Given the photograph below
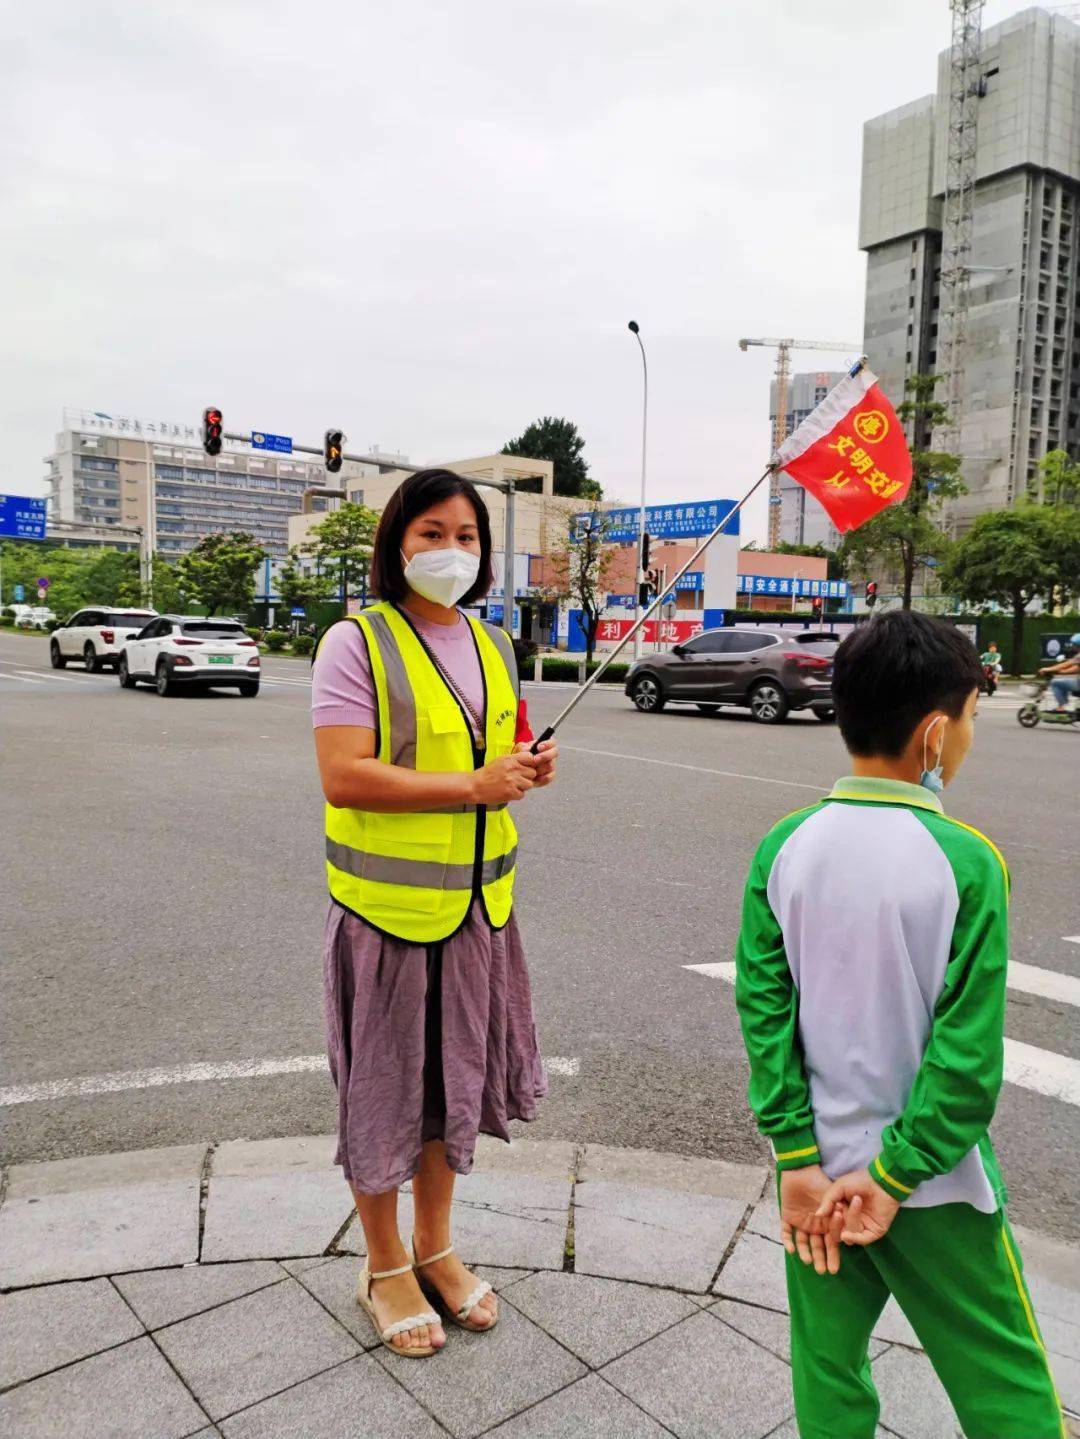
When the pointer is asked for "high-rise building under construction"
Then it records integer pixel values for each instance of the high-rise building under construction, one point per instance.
(1021, 370)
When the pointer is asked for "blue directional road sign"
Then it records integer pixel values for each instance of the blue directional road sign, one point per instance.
(22, 517)
(298, 612)
(280, 444)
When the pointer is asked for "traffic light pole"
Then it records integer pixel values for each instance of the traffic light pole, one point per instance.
(640, 622)
(506, 486)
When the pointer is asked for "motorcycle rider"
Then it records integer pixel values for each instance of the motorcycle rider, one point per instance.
(1067, 672)
(991, 663)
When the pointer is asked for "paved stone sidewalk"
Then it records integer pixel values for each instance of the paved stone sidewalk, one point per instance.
(204, 1290)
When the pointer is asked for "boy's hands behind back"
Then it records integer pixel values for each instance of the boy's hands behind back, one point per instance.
(805, 1231)
(869, 1210)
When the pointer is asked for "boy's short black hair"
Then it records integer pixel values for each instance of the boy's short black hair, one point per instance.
(892, 671)
(411, 498)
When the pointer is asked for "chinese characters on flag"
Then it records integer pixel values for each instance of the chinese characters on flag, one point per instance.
(850, 453)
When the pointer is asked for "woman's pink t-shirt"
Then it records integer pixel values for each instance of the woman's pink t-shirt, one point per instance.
(343, 692)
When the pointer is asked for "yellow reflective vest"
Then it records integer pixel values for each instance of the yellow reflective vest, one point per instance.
(416, 875)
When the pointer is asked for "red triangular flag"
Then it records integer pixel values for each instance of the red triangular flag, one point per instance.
(851, 453)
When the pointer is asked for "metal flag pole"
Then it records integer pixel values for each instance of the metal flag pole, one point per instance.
(587, 686)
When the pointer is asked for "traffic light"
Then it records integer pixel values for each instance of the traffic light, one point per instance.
(871, 594)
(333, 446)
(646, 541)
(815, 604)
(211, 431)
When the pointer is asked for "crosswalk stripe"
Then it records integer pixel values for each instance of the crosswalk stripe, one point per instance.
(192, 1073)
(1047, 983)
(1071, 938)
(1055, 1075)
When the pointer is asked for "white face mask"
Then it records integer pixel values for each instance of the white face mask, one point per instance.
(442, 576)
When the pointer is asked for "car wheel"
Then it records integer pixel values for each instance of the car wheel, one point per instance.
(127, 679)
(1028, 715)
(826, 716)
(162, 679)
(250, 689)
(58, 660)
(647, 694)
(90, 659)
(709, 709)
(768, 702)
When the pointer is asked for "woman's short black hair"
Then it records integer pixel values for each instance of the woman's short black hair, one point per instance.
(892, 671)
(411, 498)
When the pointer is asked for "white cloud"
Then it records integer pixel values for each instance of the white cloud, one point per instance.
(430, 223)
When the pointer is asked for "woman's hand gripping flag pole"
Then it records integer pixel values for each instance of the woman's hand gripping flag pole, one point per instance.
(850, 453)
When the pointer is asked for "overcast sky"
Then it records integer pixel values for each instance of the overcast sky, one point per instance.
(430, 222)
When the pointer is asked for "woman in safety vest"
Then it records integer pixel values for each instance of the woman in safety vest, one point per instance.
(430, 1028)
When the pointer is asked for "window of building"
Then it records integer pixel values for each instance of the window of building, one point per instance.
(95, 462)
(169, 472)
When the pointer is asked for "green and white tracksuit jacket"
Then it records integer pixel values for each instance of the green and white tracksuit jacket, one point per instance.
(871, 991)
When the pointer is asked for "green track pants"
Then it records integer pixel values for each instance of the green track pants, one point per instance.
(956, 1274)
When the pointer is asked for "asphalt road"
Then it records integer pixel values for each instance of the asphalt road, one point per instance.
(164, 904)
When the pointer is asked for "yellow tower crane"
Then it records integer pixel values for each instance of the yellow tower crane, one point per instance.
(783, 350)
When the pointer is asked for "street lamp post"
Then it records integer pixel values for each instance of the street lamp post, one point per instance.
(635, 331)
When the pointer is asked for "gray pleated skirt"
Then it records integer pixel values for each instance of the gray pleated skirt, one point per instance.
(426, 1042)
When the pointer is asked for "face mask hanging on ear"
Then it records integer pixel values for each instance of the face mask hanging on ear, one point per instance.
(931, 778)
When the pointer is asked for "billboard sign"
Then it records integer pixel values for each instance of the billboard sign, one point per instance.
(693, 519)
(782, 585)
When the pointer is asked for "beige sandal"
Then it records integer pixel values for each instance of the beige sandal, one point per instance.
(461, 1316)
(414, 1321)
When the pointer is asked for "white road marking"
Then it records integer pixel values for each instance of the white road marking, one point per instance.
(1055, 1075)
(1048, 983)
(21, 678)
(1027, 978)
(696, 768)
(193, 1073)
(725, 969)
(1071, 938)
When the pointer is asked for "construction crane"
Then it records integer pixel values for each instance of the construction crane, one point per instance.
(966, 86)
(783, 350)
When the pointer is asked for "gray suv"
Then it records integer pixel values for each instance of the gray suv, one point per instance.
(769, 672)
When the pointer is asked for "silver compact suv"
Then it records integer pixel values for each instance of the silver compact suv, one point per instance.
(767, 671)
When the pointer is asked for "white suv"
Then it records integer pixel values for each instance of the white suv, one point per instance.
(96, 636)
(191, 649)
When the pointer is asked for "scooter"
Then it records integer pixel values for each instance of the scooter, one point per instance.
(1034, 711)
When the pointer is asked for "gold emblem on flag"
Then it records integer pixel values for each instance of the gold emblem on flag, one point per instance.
(871, 426)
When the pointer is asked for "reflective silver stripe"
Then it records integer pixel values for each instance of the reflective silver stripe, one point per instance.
(505, 645)
(494, 869)
(416, 873)
(388, 869)
(400, 695)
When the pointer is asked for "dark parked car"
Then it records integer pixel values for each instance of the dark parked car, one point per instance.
(769, 672)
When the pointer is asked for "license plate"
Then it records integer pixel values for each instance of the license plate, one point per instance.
(220, 659)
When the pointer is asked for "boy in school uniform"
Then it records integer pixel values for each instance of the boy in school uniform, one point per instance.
(871, 991)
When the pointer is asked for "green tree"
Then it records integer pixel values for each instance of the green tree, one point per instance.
(904, 533)
(220, 571)
(166, 592)
(296, 586)
(578, 571)
(341, 543)
(1008, 557)
(559, 442)
(112, 578)
(1058, 481)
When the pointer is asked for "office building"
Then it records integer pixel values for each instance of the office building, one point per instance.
(153, 476)
(802, 520)
(1021, 390)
